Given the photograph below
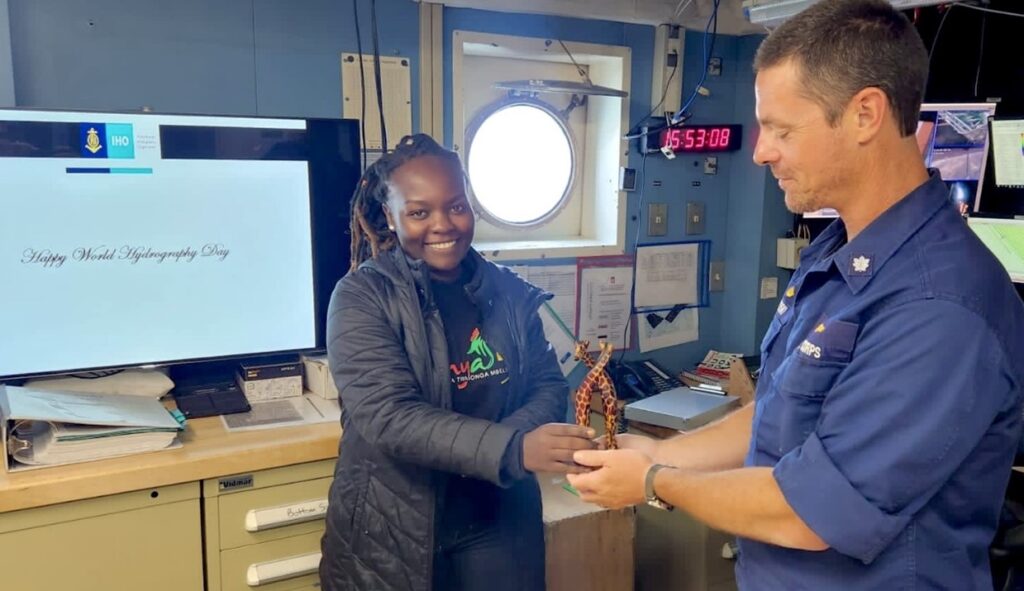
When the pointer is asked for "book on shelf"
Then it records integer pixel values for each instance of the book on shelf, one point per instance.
(715, 365)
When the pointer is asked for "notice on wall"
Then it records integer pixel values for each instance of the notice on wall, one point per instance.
(605, 286)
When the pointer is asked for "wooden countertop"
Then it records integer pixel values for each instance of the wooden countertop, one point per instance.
(208, 451)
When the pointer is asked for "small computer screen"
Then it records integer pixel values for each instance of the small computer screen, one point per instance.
(1005, 238)
(953, 138)
(1008, 152)
(1002, 193)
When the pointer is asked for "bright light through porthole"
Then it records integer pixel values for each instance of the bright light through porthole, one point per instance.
(520, 164)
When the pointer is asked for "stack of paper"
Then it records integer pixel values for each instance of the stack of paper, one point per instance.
(48, 428)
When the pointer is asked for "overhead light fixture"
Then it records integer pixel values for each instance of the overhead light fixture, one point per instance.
(577, 89)
(532, 87)
(772, 13)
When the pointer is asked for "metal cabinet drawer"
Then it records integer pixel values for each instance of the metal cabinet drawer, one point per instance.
(111, 543)
(265, 514)
(279, 565)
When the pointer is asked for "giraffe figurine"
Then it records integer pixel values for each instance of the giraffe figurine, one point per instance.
(609, 401)
(597, 378)
(586, 388)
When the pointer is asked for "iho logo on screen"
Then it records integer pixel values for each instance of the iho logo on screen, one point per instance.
(106, 140)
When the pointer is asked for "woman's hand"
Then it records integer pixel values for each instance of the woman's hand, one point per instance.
(549, 448)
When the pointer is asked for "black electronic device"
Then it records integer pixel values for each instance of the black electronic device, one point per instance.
(642, 378)
(207, 389)
(219, 398)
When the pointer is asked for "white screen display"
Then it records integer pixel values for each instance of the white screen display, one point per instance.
(1008, 150)
(154, 261)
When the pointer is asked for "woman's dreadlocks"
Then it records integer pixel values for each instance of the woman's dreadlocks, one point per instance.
(370, 233)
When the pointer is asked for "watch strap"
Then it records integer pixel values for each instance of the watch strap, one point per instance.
(649, 494)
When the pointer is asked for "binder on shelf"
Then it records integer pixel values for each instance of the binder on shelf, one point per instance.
(44, 428)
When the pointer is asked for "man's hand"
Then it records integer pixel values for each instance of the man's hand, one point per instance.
(549, 448)
(617, 480)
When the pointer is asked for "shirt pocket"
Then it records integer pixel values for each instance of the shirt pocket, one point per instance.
(942, 569)
(802, 390)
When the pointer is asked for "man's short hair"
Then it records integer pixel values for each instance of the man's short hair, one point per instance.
(841, 47)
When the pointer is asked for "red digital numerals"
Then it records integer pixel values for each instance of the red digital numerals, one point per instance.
(683, 139)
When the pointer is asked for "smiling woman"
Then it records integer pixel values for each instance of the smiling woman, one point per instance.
(428, 210)
(451, 394)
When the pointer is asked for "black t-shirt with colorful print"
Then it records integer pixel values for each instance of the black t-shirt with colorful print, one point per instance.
(479, 386)
(479, 373)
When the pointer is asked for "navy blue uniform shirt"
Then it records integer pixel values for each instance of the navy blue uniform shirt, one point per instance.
(889, 404)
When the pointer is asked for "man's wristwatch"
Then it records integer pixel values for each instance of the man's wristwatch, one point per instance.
(652, 498)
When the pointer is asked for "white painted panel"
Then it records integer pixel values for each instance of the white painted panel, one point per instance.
(396, 87)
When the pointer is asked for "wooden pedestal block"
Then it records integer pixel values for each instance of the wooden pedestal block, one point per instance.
(587, 547)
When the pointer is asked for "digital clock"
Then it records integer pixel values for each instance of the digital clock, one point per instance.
(701, 138)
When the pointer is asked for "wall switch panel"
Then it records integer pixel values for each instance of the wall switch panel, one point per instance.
(657, 219)
(694, 217)
(716, 279)
(715, 66)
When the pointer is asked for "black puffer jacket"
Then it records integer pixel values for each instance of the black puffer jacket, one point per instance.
(388, 352)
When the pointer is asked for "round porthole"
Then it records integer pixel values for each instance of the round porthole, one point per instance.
(521, 162)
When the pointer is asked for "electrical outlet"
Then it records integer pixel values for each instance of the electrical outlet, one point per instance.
(716, 276)
(694, 217)
(657, 219)
(711, 165)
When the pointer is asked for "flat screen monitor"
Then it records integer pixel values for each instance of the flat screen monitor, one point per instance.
(1005, 238)
(1003, 193)
(1008, 153)
(131, 239)
(953, 138)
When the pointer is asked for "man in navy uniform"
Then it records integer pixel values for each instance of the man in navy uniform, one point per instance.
(879, 445)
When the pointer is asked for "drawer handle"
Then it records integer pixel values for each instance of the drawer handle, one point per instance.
(271, 517)
(263, 573)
